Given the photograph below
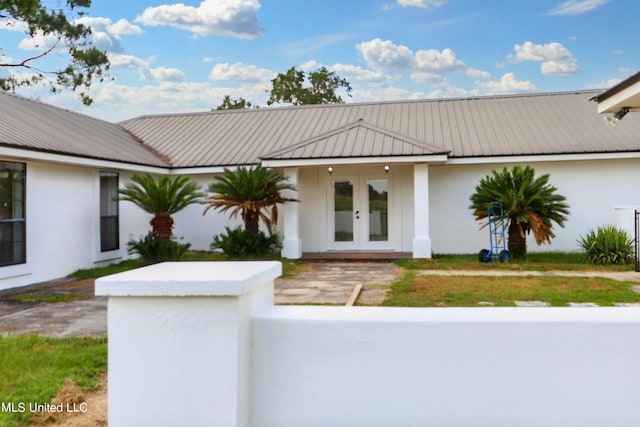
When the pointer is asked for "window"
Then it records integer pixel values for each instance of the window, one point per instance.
(109, 216)
(12, 213)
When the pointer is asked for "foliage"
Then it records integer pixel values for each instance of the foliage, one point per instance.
(239, 243)
(289, 87)
(33, 369)
(153, 250)
(253, 193)
(162, 198)
(86, 63)
(530, 204)
(608, 245)
(233, 104)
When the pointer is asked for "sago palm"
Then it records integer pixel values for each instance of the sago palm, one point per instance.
(161, 198)
(529, 204)
(251, 192)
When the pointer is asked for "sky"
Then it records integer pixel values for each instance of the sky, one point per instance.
(184, 57)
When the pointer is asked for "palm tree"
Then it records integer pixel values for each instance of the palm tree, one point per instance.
(253, 193)
(161, 198)
(529, 204)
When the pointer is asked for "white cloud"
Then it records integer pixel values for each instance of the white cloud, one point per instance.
(555, 58)
(422, 3)
(477, 74)
(145, 71)
(507, 84)
(240, 72)
(436, 61)
(385, 55)
(232, 18)
(427, 78)
(604, 84)
(40, 41)
(352, 73)
(105, 35)
(124, 27)
(577, 7)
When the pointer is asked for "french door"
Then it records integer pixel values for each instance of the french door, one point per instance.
(359, 213)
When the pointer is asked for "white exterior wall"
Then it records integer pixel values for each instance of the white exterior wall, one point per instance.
(63, 224)
(594, 190)
(190, 226)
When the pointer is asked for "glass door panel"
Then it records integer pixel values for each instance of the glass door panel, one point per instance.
(343, 211)
(378, 200)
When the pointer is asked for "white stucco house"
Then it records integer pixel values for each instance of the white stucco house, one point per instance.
(393, 177)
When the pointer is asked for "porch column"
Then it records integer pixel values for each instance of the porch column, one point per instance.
(292, 245)
(421, 239)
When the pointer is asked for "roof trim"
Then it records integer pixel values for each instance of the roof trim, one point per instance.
(285, 163)
(428, 149)
(67, 159)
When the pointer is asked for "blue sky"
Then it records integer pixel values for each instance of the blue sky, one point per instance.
(181, 57)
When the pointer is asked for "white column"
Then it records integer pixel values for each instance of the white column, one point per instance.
(421, 237)
(292, 245)
(179, 345)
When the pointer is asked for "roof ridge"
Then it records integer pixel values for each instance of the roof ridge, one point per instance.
(364, 103)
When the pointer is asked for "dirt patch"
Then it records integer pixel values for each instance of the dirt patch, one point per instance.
(80, 409)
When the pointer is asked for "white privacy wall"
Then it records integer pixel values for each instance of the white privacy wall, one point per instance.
(373, 366)
(595, 190)
(201, 344)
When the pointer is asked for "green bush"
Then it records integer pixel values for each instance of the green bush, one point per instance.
(153, 251)
(238, 243)
(607, 245)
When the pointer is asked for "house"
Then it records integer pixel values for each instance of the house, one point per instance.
(621, 98)
(388, 176)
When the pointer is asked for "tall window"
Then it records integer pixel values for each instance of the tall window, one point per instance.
(12, 213)
(109, 216)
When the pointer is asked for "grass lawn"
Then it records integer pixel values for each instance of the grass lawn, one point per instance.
(288, 265)
(536, 261)
(33, 369)
(466, 291)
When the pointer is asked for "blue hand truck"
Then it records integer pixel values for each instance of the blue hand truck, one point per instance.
(498, 249)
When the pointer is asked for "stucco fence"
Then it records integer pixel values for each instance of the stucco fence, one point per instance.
(201, 344)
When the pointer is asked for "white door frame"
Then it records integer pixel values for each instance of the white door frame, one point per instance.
(360, 217)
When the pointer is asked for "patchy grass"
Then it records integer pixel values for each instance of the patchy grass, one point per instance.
(33, 369)
(536, 261)
(466, 291)
(66, 297)
(288, 265)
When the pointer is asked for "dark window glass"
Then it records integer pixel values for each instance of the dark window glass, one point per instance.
(12, 213)
(109, 216)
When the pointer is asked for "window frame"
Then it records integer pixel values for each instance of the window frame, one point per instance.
(17, 248)
(109, 212)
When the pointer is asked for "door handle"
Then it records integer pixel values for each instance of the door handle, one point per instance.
(357, 214)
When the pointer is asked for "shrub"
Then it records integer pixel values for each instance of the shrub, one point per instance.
(607, 245)
(153, 251)
(238, 242)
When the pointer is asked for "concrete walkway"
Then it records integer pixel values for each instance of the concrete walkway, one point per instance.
(315, 283)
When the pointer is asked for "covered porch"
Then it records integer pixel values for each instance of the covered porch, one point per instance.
(364, 194)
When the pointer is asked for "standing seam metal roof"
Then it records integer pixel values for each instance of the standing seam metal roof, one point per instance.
(33, 125)
(508, 125)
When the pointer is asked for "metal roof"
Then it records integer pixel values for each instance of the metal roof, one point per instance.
(32, 125)
(358, 139)
(509, 125)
